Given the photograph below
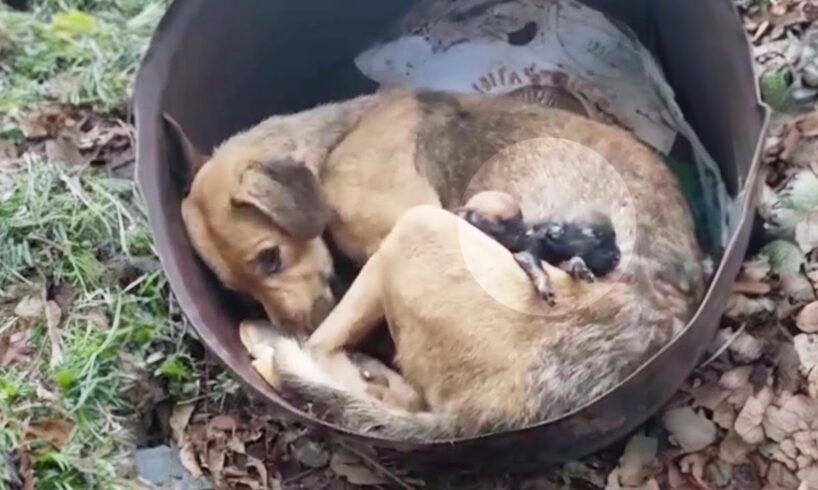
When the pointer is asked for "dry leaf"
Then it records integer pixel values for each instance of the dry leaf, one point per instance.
(795, 414)
(53, 315)
(693, 465)
(807, 319)
(261, 470)
(310, 453)
(779, 477)
(98, 318)
(224, 423)
(709, 395)
(746, 348)
(236, 445)
(350, 467)
(179, 420)
(788, 448)
(14, 348)
(25, 470)
(748, 422)
(188, 457)
(637, 459)
(776, 453)
(692, 431)
(750, 287)
(789, 368)
(809, 478)
(215, 461)
(756, 269)
(724, 415)
(733, 449)
(737, 382)
(612, 483)
(29, 308)
(807, 443)
(63, 150)
(32, 124)
(676, 479)
(718, 473)
(797, 287)
(806, 345)
(740, 306)
(806, 232)
(56, 432)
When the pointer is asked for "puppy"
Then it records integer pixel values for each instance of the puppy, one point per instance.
(587, 249)
(378, 174)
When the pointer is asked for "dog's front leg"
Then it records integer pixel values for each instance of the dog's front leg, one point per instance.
(356, 315)
(536, 272)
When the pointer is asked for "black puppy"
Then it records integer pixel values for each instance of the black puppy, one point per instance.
(589, 248)
(586, 249)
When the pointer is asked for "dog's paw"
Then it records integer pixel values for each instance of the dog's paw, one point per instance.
(256, 335)
(264, 364)
(544, 289)
(579, 270)
(538, 276)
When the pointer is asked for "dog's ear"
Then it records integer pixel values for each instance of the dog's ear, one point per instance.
(287, 193)
(192, 155)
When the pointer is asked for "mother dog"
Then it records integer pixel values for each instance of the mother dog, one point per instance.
(377, 173)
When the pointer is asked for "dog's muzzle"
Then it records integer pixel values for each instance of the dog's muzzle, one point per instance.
(320, 309)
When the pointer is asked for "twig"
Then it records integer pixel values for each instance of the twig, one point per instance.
(377, 466)
(724, 347)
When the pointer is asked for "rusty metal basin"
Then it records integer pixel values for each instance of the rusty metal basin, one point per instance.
(219, 67)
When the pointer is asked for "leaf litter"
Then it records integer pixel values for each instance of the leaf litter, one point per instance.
(747, 420)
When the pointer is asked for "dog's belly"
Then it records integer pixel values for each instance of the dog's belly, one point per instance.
(460, 312)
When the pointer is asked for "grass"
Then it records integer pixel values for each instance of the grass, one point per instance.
(67, 228)
(81, 234)
(72, 51)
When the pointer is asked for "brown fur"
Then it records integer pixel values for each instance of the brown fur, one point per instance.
(470, 332)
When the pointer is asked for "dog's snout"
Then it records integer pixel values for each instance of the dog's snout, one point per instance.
(320, 309)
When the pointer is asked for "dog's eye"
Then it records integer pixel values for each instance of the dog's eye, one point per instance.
(269, 261)
(589, 232)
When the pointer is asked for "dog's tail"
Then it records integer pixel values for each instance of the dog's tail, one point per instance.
(300, 374)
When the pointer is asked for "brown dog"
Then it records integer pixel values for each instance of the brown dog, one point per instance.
(471, 333)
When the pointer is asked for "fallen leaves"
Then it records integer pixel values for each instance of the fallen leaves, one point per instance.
(228, 449)
(310, 453)
(179, 418)
(780, 31)
(29, 308)
(807, 319)
(638, 461)
(56, 432)
(689, 429)
(15, 348)
(749, 419)
(350, 468)
(75, 136)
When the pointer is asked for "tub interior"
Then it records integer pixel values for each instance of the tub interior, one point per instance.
(219, 67)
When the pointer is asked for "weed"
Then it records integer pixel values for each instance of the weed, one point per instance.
(61, 227)
(72, 51)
